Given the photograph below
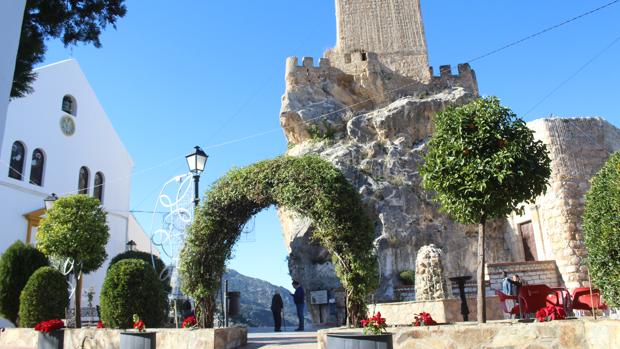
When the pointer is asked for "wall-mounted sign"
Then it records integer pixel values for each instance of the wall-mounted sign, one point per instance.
(318, 297)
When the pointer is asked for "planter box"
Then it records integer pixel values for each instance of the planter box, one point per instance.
(53, 340)
(358, 341)
(138, 340)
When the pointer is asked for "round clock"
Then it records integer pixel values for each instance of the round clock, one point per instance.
(67, 125)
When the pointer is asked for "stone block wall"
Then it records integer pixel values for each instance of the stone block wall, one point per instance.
(442, 311)
(578, 149)
(533, 273)
(569, 334)
(90, 338)
(391, 28)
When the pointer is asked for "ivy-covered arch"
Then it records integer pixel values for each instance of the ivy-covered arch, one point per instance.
(308, 185)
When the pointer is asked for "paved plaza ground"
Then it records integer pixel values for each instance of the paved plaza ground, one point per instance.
(264, 339)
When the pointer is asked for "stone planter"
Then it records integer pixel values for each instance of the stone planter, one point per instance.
(52, 340)
(358, 341)
(138, 340)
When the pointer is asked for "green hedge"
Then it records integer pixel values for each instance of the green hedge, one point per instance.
(407, 277)
(132, 287)
(45, 297)
(148, 258)
(601, 225)
(17, 264)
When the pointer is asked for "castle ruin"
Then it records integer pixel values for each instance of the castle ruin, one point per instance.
(367, 106)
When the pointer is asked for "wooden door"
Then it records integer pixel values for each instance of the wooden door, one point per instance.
(529, 244)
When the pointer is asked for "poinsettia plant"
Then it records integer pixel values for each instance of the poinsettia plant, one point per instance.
(189, 322)
(424, 319)
(550, 313)
(138, 324)
(374, 325)
(49, 326)
(100, 324)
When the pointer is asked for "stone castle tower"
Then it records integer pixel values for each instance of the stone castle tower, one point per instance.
(393, 29)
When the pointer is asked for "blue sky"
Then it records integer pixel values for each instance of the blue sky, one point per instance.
(175, 75)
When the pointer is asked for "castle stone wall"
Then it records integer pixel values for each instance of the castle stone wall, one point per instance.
(391, 28)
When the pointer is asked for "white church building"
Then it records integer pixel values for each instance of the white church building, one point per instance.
(59, 140)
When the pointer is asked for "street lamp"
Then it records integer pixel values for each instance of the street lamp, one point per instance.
(196, 162)
(49, 201)
(131, 245)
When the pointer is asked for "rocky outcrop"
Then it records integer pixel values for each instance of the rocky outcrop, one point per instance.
(379, 145)
(429, 275)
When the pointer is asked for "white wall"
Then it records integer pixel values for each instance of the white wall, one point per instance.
(11, 15)
(35, 121)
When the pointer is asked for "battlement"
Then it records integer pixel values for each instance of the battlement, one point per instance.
(465, 78)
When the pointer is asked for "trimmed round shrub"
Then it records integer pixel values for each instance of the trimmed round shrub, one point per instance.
(407, 277)
(45, 297)
(132, 287)
(148, 258)
(17, 264)
(601, 225)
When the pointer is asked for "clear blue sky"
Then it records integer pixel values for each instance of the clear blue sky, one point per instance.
(177, 74)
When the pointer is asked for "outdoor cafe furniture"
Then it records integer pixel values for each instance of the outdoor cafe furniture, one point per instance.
(584, 300)
(514, 307)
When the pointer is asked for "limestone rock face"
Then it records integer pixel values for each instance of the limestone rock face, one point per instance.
(378, 140)
(430, 283)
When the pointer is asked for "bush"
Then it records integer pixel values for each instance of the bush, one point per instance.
(601, 225)
(148, 258)
(132, 287)
(17, 264)
(45, 297)
(407, 277)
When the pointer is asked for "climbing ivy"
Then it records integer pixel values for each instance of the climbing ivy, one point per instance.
(312, 187)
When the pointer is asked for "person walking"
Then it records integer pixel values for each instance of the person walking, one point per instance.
(276, 309)
(299, 298)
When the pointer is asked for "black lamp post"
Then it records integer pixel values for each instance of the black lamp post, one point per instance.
(196, 162)
(49, 201)
(131, 245)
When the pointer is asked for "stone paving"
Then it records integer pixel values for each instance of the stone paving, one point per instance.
(260, 338)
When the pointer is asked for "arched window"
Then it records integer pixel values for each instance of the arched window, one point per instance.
(83, 180)
(69, 105)
(99, 185)
(36, 169)
(18, 155)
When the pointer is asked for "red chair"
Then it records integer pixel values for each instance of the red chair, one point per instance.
(534, 297)
(561, 297)
(514, 310)
(582, 300)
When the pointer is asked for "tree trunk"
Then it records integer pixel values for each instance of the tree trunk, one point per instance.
(356, 310)
(205, 311)
(481, 299)
(78, 299)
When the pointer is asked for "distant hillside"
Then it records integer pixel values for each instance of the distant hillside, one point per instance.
(256, 297)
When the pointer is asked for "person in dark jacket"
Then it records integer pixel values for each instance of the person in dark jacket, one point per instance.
(276, 309)
(299, 298)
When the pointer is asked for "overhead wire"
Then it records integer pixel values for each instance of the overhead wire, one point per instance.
(348, 107)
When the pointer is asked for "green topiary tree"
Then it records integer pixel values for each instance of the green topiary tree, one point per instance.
(407, 277)
(148, 258)
(308, 185)
(76, 228)
(132, 287)
(17, 264)
(601, 225)
(45, 297)
(483, 162)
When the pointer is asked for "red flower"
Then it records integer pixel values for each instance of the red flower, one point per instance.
(100, 324)
(189, 321)
(139, 325)
(550, 313)
(374, 325)
(49, 326)
(424, 319)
